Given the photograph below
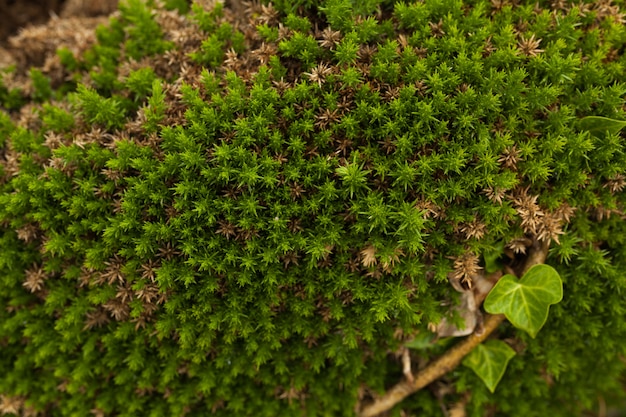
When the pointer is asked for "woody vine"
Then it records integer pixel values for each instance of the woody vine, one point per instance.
(490, 360)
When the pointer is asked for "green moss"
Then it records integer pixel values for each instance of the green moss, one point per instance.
(249, 217)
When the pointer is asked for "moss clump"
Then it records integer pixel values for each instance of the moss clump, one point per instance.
(249, 213)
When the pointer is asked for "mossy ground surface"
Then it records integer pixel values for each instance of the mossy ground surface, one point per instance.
(205, 212)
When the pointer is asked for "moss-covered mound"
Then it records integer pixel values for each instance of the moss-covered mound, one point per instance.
(248, 210)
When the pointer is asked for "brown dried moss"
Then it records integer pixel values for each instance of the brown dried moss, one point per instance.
(31, 30)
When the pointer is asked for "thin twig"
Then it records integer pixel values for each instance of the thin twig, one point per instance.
(452, 357)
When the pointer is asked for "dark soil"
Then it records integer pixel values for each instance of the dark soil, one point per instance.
(16, 14)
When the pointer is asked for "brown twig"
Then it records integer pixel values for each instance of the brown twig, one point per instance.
(454, 356)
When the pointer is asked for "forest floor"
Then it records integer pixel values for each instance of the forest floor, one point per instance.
(17, 17)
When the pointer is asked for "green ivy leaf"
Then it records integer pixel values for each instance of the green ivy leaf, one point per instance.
(423, 340)
(597, 125)
(492, 258)
(526, 302)
(489, 361)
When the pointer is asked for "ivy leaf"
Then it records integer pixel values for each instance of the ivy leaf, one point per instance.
(597, 125)
(489, 361)
(526, 302)
(423, 340)
(492, 258)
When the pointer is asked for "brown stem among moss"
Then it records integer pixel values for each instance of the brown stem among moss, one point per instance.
(453, 357)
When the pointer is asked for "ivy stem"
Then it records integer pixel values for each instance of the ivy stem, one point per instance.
(451, 359)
